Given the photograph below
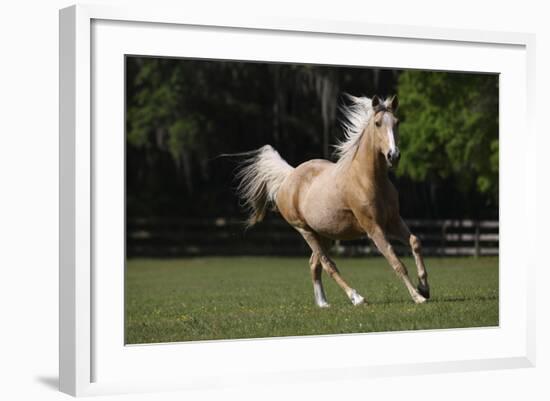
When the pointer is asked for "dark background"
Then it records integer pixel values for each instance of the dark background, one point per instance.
(182, 114)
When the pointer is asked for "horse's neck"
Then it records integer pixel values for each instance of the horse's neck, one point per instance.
(368, 163)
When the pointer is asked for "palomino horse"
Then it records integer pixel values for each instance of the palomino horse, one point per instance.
(326, 201)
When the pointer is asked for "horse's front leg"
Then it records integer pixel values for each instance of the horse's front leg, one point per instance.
(384, 246)
(404, 235)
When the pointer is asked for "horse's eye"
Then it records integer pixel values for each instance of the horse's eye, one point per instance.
(378, 123)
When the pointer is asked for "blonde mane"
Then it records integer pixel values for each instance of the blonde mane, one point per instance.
(356, 117)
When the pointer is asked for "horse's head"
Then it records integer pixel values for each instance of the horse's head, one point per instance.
(385, 128)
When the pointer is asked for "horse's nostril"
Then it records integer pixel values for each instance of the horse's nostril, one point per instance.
(389, 155)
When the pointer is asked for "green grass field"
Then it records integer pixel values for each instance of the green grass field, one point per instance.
(249, 297)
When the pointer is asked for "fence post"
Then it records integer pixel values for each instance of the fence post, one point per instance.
(337, 248)
(476, 240)
(443, 235)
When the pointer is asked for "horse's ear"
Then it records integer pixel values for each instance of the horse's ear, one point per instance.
(394, 103)
(375, 101)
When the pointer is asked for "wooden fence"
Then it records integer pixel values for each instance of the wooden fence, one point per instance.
(172, 237)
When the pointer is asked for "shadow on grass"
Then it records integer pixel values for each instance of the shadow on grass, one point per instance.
(436, 300)
(458, 299)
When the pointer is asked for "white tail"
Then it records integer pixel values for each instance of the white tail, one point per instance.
(260, 177)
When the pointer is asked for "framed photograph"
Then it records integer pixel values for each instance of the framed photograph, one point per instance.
(276, 200)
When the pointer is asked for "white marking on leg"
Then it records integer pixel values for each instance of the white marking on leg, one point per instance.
(320, 298)
(355, 298)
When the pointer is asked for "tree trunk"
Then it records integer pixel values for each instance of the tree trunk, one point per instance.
(327, 90)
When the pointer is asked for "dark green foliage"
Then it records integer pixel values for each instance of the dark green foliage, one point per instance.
(450, 129)
(217, 298)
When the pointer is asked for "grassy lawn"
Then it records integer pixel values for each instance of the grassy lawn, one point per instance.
(245, 297)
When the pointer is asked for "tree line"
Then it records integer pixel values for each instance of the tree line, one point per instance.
(182, 114)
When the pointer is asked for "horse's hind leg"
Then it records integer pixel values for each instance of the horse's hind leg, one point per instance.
(404, 235)
(319, 248)
(318, 290)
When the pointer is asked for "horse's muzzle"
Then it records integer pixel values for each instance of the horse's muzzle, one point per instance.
(393, 157)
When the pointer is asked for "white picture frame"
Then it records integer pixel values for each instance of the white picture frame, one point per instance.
(91, 361)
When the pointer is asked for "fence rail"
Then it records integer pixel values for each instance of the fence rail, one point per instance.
(171, 237)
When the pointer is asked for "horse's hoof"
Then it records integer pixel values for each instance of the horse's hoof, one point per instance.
(424, 291)
(323, 305)
(356, 299)
(419, 299)
(358, 302)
